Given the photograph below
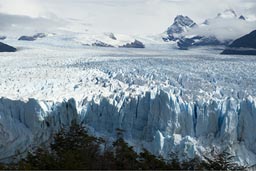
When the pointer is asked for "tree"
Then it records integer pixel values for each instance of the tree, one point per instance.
(222, 161)
(71, 149)
(125, 157)
(40, 159)
(148, 161)
(75, 149)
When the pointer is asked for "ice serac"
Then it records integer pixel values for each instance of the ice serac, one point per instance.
(24, 125)
(158, 120)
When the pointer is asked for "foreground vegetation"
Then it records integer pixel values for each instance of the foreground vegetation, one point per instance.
(74, 149)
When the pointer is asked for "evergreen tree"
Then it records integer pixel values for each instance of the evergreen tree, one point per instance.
(40, 159)
(125, 157)
(174, 162)
(222, 161)
(150, 162)
(74, 149)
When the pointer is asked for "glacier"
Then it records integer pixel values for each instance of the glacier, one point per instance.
(157, 120)
(166, 101)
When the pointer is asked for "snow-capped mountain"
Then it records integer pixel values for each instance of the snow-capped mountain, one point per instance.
(220, 30)
(25, 28)
(181, 24)
(107, 40)
(227, 14)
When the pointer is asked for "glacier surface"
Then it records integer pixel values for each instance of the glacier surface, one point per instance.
(166, 101)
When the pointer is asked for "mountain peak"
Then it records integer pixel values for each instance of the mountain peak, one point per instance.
(242, 17)
(183, 20)
(181, 24)
(228, 13)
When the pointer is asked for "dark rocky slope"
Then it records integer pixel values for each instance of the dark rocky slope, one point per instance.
(245, 45)
(6, 48)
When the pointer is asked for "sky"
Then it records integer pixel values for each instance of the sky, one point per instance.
(126, 16)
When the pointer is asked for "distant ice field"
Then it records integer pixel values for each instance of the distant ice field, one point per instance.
(42, 71)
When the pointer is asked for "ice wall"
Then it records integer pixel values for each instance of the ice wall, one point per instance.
(157, 120)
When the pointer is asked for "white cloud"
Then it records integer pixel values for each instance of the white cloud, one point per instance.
(127, 16)
(31, 8)
(224, 29)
